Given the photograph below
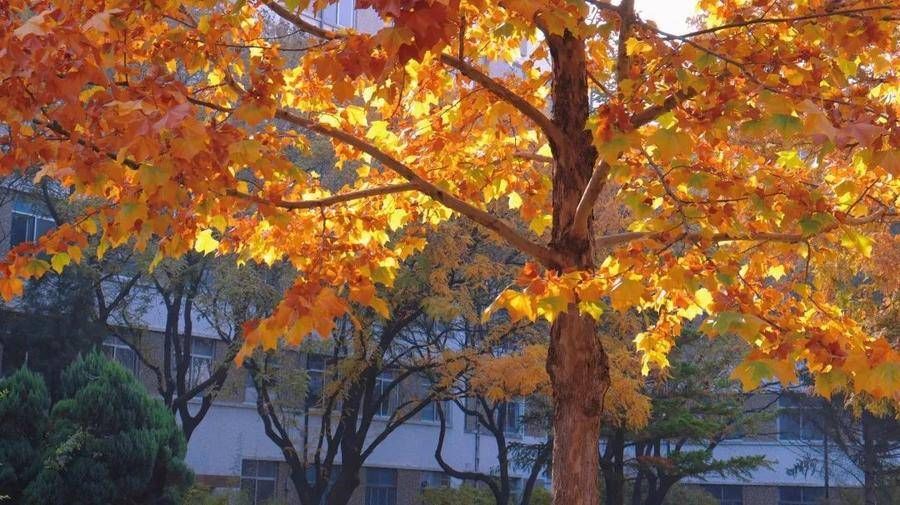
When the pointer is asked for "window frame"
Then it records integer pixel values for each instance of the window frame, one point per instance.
(34, 217)
(195, 359)
(319, 373)
(117, 345)
(720, 493)
(381, 493)
(256, 478)
(816, 499)
(382, 381)
(517, 428)
(806, 430)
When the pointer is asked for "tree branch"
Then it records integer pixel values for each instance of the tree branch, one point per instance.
(535, 250)
(327, 201)
(507, 95)
(763, 20)
(589, 197)
(299, 22)
(621, 238)
(626, 14)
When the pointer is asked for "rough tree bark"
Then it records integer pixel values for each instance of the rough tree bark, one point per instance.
(577, 364)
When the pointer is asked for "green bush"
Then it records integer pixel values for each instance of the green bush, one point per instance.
(108, 442)
(463, 495)
(24, 404)
(689, 495)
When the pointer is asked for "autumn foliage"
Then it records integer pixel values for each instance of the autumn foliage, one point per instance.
(741, 157)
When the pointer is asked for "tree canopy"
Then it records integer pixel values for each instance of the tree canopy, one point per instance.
(739, 156)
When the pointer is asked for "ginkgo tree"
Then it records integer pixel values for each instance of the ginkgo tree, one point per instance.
(742, 153)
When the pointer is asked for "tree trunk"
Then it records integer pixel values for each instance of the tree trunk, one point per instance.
(577, 364)
(870, 461)
(614, 471)
(579, 373)
(344, 486)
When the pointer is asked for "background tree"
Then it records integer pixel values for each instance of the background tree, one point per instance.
(720, 225)
(64, 313)
(381, 369)
(24, 406)
(108, 442)
(694, 408)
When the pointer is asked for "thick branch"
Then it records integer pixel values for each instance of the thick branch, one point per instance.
(300, 23)
(626, 13)
(589, 197)
(507, 95)
(537, 251)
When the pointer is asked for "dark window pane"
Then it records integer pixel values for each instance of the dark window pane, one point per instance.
(790, 493)
(267, 469)
(21, 229)
(733, 492)
(265, 490)
(248, 468)
(42, 226)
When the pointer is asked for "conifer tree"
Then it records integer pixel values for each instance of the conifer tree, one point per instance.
(108, 442)
(24, 403)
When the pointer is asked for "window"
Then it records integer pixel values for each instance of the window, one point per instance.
(727, 495)
(258, 480)
(797, 421)
(386, 406)
(250, 392)
(315, 373)
(117, 350)
(339, 14)
(512, 422)
(28, 223)
(796, 495)
(200, 365)
(381, 486)
(435, 479)
(429, 413)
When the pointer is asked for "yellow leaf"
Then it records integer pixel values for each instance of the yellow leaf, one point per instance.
(59, 261)
(854, 240)
(205, 243)
(515, 200)
(626, 294)
(776, 272)
(396, 219)
(356, 115)
(704, 299)
(634, 46)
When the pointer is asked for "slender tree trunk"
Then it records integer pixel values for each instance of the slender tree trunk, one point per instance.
(614, 471)
(577, 364)
(870, 461)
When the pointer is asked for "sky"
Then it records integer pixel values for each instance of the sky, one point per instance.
(669, 15)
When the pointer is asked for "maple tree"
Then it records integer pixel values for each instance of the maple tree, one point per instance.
(744, 152)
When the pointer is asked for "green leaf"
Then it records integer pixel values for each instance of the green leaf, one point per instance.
(815, 223)
(786, 124)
